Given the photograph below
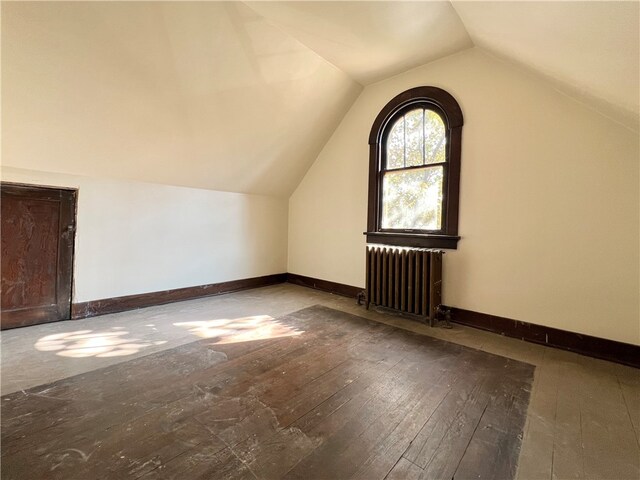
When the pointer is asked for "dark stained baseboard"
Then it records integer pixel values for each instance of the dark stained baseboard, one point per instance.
(324, 285)
(132, 302)
(602, 348)
(611, 350)
(614, 351)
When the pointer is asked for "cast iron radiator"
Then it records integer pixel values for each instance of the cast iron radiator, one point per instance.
(405, 279)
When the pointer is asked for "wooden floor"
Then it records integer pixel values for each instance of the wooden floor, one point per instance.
(319, 393)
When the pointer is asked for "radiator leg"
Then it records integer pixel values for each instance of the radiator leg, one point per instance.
(446, 314)
(362, 298)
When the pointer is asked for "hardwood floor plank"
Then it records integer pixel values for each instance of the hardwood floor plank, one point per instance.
(274, 389)
(536, 460)
(343, 397)
(631, 396)
(181, 367)
(350, 435)
(387, 453)
(491, 453)
(603, 427)
(461, 388)
(568, 454)
(317, 407)
(200, 463)
(404, 470)
(441, 459)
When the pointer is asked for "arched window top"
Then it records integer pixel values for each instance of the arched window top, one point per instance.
(415, 145)
(434, 98)
(417, 137)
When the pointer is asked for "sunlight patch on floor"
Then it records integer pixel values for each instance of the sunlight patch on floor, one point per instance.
(257, 327)
(87, 343)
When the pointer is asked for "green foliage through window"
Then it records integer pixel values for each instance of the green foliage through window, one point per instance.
(412, 197)
(417, 138)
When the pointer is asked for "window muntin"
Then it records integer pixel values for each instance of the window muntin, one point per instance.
(422, 171)
(413, 174)
(416, 138)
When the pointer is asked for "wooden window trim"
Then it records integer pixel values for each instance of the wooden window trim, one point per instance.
(444, 104)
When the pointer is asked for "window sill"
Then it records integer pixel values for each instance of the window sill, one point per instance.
(413, 240)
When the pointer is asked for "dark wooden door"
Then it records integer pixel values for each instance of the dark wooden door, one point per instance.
(38, 230)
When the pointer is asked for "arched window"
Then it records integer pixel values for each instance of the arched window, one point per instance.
(414, 170)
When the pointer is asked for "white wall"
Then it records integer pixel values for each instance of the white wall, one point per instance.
(549, 212)
(135, 237)
(110, 96)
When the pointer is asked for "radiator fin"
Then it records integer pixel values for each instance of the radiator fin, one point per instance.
(404, 279)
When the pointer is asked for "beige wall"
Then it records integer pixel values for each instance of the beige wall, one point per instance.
(549, 209)
(135, 237)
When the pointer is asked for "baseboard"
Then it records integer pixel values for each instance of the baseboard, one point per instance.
(619, 352)
(132, 302)
(324, 285)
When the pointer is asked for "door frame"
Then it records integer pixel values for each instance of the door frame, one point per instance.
(67, 197)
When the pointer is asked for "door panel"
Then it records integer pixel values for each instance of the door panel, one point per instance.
(38, 227)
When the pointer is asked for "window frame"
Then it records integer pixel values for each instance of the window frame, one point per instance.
(443, 103)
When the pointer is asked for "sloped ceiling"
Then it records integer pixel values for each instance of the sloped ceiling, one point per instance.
(371, 41)
(590, 50)
(242, 97)
(196, 94)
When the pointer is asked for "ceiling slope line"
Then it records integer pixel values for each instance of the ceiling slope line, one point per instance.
(595, 55)
(284, 32)
(371, 41)
(625, 118)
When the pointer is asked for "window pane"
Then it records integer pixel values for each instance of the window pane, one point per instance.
(395, 145)
(414, 130)
(435, 141)
(412, 199)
